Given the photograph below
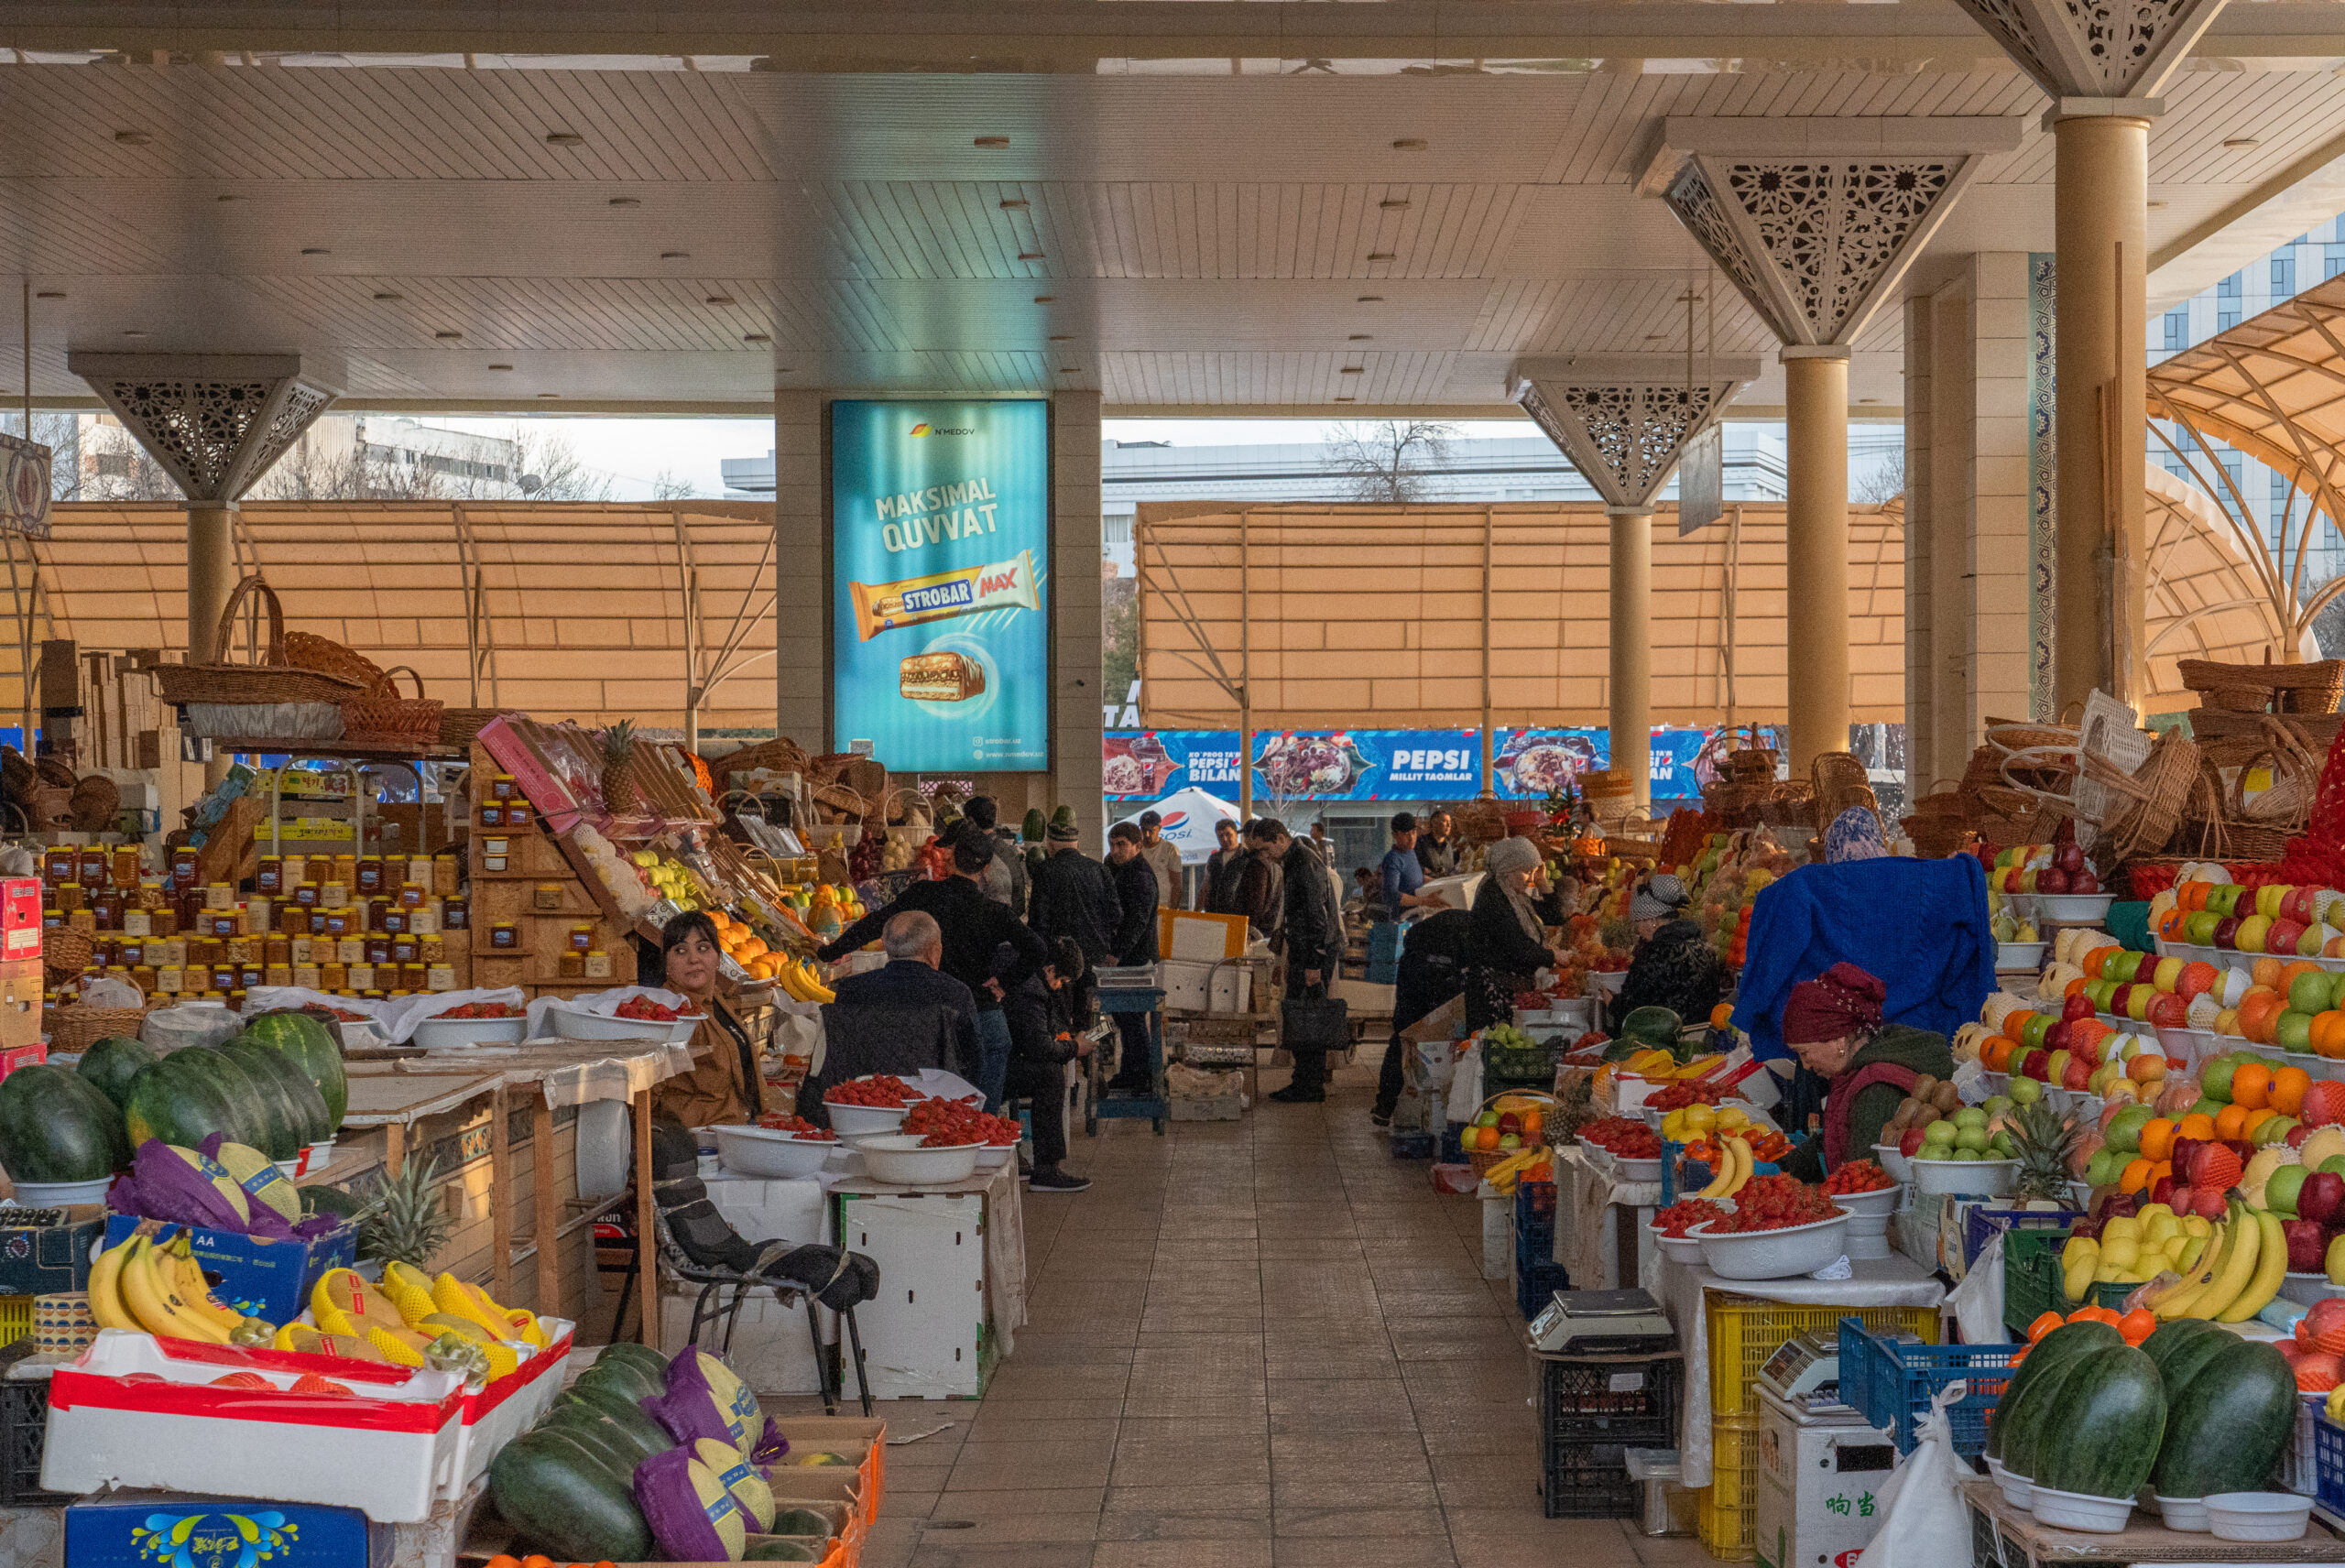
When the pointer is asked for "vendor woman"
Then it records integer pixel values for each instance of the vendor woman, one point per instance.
(1833, 1024)
(1507, 945)
(1671, 966)
(723, 1087)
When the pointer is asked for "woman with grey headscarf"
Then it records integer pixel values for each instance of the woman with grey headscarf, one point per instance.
(1507, 947)
(1672, 967)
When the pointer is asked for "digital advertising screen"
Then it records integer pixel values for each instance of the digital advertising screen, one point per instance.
(939, 583)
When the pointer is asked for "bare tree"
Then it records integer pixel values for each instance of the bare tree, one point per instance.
(120, 469)
(61, 433)
(1390, 461)
(1885, 482)
(551, 470)
(666, 486)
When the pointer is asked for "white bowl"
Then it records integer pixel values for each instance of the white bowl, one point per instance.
(2018, 1490)
(2072, 907)
(1874, 1206)
(1607, 982)
(1774, 1254)
(768, 1152)
(2182, 1513)
(2012, 957)
(852, 1121)
(441, 1034)
(2258, 1516)
(2308, 1289)
(1888, 1156)
(1636, 1169)
(1865, 1248)
(1678, 1249)
(2193, 1045)
(1983, 1178)
(993, 1156)
(56, 1195)
(321, 1156)
(571, 1024)
(2082, 1510)
(901, 1158)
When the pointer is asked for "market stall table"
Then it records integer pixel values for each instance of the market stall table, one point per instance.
(1894, 1281)
(1997, 1526)
(1600, 1236)
(1003, 1257)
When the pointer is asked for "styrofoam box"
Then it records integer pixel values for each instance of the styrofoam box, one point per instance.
(920, 1333)
(511, 1405)
(392, 1451)
(1204, 988)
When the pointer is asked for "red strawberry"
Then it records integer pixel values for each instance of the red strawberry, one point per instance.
(310, 1383)
(252, 1381)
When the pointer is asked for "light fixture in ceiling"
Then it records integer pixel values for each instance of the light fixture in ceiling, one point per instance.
(757, 337)
(1409, 144)
(564, 138)
(1354, 370)
(2242, 144)
(1062, 337)
(48, 294)
(1371, 300)
(1380, 255)
(718, 300)
(1030, 255)
(1045, 299)
(1393, 203)
(1360, 337)
(500, 367)
(1013, 204)
(1867, 399)
(675, 255)
(315, 250)
(549, 394)
(450, 336)
(990, 143)
(386, 295)
(134, 333)
(131, 138)
(2156, 206)
(627, 202)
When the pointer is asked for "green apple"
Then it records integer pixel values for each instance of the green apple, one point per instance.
(1970, 1116)
(1940, 1132)
(1971, 1138)
(1997, 1105)
(2025, 1090)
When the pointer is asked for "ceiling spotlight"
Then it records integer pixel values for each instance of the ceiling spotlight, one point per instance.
(1409, 144)
(1354, 370)
(992, 142)
(718, 300)
(2241, 144)
(1867, 399)
(1360, 337)
(1013, 204)
(386, 295)
(1380, 255)
(131, 138)
(1030, 255)
(1346, 399)
(1070, 370)
(1393, 203)
(1371, 300)
(549, 394)
(448, 336)
(564, 138)
(500, 367)
(626, 201)
(675, 255)
(48, 294)
(1062, 337)
(228, 198)
(756, 337)
(1044, 298)
(315, 250)
(2156, 206)
(134, 333)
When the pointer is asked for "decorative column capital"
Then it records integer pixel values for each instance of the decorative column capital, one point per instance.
(214, 421)
(2095, 48)
(1624, 419)
(1791, 352)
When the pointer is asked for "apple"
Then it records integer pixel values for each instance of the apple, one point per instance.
(2129, 964)
(2168, 975)
(2226, 932)
(2163, 1191)
(2033, 1065)
(2269, 897)
(2282, 937)
(2280, 1191)
(2215, 1078)
(2051, 880)
(2106, 1164)
(1996, 1105)
(2167, 1011)
(2137, 1003)
(2078, 1074)
(2207, 1203)
(2293, 1032)
(2025, 1090)
(2069, 856)
(2078, 1005)
(2306, 1245)
(2327, 1313)
(2321, 1196)
(2299, 1133)
(2084, 882)
(2333, 1260)
(2056, 1039)
(1910, 1143)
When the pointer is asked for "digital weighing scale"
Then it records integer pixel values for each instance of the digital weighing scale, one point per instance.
(1602, 1322)
(1804, 1371)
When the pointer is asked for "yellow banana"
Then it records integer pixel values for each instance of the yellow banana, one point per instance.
(2180, 1300)
(152, 1302)
(1722, 1182)
(2271, 1270)
(1738, 1155)
(2239, 1265)
(195, 1296)
(105, 1287)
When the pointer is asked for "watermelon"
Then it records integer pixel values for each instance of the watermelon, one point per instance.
(111, 1064)
(266, 1118)
(177, 1099)
(305, 1041)
(2179, 1365)
(58, 1127)
(2101, 1434)
(313, 1122)
(562, 1498)
(2053, 1351)
(2227, 1427)
(319, 1199)
(2168, 1338)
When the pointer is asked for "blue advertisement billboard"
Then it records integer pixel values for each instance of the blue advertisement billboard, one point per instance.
(939, 564)
(1380, 765)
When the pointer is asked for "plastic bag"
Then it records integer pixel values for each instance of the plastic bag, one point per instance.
(1922, 1507)
(167, 1029)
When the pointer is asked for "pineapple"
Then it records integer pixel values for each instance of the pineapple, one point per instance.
(407, 1222)
(620, 796)
(2042, 1140)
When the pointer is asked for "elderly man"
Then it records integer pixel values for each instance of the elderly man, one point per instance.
(876, 1025)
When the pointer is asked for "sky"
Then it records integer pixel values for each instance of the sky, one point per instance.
(636, 452)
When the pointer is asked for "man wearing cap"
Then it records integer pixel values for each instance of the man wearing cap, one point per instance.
(1163, 857)
(1073, 897)
(1833, 1024)
(1671, 966)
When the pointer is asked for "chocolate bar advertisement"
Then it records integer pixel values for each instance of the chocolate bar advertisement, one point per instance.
(940, 556)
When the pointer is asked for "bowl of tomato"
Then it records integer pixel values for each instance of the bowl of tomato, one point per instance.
(910, 1159)
(773, 1152)
(474, 1023)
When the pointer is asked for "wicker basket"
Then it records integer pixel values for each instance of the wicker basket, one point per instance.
(66, 951)
(383, 717)
(307, 650)
(270, 678)
(2313, 688)
(76, 1029)
(2155, 796)
(459, 727)
(96, 801)
(1936, 836)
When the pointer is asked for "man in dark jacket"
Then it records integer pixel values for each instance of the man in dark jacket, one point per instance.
(1314, 952)
(1432, 971)
(1134, 943)
(1042, 1029)
(975, 929)
(1223, 868)
(1436, 846)
(915, 948)
(1260, 894)
(1072, 896)
(1005, 881)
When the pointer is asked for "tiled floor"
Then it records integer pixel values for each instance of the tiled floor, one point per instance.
(1260, 1344)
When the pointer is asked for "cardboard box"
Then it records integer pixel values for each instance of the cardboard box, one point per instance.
(38, 1259)
(120, 1530)
(19, 918)
(1192, 933)
(20, 1001)
(258, 1276)
(14, 1057)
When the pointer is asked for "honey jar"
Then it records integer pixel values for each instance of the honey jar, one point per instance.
(503, 935)
(185, 866)
(137, 922)
(280, 974)
(492, 814)
(404, 948)
(581, 938)
(60, 866)
(517, 814)
(126, 865)
(170, 979)
(306, 895)
(502, 788)
(218, 896)
(351, 949)
(309, 976)
(598, 965)
(362, 976)
(447, 873)
(370, 874)
(334, 977)
(546, 898)
(571, 966)
(412, 894)
(455, 913)
(91, 866)
(270, 877)
(377, 948)
(394, 919)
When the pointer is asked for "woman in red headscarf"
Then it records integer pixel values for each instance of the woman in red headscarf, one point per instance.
(1832, 1024)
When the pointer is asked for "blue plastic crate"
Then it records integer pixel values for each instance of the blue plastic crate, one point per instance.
(1384, 952)
(1981, 1223)
(1535, 1223)
(1890, 1384)
(2328, 1463)
(1536, 1285)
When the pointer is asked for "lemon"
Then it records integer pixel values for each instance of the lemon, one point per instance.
(1700, 1119)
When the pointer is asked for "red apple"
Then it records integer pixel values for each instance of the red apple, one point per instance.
(1910, 1144)
(2299, 1133)
(2226, 931)
(2163, 1191)
(2036, 1064)
(2078, 1005)
(2052, 881)
(2305, 1245)
(2207, 1203)
(2321, 1197)
(2069, 857)
(2078, 1074)
(2326, 1315)
(2169, 1011)
(2296, 904)
(2055, 1036)
(2282, 937)
(2118, 999)
(2084, 882)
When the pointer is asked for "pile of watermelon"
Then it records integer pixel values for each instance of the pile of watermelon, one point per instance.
(276, 1087)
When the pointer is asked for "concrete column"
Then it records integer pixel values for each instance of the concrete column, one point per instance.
(210, 579)
(1631, 633)
(2102, 152)
(1815, 383)
(1076, 700)
(1921, 523)
(801, 581)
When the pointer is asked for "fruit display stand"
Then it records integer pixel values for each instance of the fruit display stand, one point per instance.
(1602, 1239)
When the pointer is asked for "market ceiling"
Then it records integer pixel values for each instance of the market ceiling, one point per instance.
(1181, 204)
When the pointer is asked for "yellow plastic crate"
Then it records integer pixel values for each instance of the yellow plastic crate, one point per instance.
(1745, 1330)
(1729, 1516)
(15, 1318)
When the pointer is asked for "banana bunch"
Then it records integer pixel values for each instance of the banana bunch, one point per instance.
(798, 977)
(149, 1289)
(1517, 1167)
(1734, 1172)
(2237, 1274)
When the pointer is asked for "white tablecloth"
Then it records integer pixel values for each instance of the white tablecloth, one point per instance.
(1882, 1282)
(1590, 1208)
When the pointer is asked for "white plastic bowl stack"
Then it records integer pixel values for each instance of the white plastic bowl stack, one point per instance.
(1609, 981)
(2258, 1516)
(855, 1121)
(1869, 1220)
(770, 1152)
(572, 1024)
(2018, 1490)
(2083, 1511)
(1981, 1178)
(898, 1157)
(2182, 1513)
(1890, 1159)
(2012, 957)
(441, 1034)
(1774, 1254)
(2072, 907)
(1678, 1249)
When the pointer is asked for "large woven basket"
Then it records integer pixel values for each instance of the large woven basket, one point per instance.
(382, 717)
(270, 678)
(76, 1029)
(2314, 688)
(65, 952)
(307, 650)
(459, 727)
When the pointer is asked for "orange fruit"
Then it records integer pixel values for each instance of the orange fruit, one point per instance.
(2136, 1177)
(2096, 960)
(2198, 1124)
(2158, 1138)
(1998, 1051)
(2231, 1122)
(2288, 1086)
(2251, 1085)
(2266, 971)
(2170, 924)
(2045, 1324)
(2256, 1120)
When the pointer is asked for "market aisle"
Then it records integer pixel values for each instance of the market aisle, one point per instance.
(1255, 1344)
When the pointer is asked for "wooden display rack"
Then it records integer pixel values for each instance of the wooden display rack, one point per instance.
(533, 884)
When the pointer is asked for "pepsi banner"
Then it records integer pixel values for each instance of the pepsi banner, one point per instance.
(1379, 765)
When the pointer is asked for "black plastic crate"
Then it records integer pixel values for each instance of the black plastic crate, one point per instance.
(24, 1431)
(1536, 1285)
(1589, 1480)
(1609, 1394)
(1414, 1145)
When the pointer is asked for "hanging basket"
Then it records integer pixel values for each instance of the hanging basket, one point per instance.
(382, 717)
(270, 678)
(459, 727)
(95, 803)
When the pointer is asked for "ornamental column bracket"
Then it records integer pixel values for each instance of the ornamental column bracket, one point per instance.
(1624, 419)
(1815, 220)
(2095, 48)
(214, 421)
